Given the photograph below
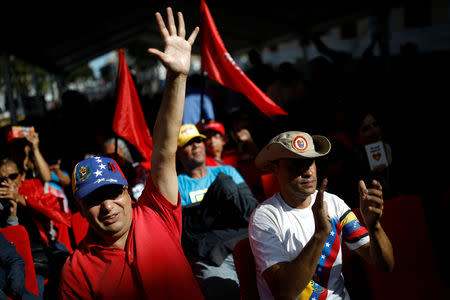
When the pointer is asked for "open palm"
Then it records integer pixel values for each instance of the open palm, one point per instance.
(177, 50)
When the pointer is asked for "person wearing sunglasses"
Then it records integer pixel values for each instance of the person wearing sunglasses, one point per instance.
(133, 251)
(10, 181)
(25, 202)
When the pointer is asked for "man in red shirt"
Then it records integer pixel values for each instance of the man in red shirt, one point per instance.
(135, 252)
(215, 143)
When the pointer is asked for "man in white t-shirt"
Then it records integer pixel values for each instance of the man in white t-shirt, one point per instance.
(296, 234)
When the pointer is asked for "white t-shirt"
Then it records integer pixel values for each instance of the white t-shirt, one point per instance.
(278, 233)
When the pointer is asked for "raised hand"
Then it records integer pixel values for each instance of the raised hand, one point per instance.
(371, 202)
(56, 167)
(320, 211)
(244, 135)
(176, 57)
(33, 139)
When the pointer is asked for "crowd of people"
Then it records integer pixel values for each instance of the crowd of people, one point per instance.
(169, 231)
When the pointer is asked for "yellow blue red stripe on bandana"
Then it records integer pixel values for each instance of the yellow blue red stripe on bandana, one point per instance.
(313, 291)
(352, 231)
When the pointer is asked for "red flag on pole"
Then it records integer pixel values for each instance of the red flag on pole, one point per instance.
(220, 66)
(129, 122)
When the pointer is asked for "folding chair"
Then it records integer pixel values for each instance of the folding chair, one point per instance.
(19, 236)
(415, 274)
(270, 184)
(245, 269)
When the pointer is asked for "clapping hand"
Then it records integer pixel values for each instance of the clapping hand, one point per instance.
(371, 202)
(320, 211)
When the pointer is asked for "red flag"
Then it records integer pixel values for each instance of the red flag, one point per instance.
(129, 121)
(220, 66)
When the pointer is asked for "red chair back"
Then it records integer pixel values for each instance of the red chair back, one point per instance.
(270, 184)
(246, 270)
(80, 227)
(19, 236)
(415, 274)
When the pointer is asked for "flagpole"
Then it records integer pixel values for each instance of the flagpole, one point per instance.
(117, 99)
(116, 140)
(202, 93)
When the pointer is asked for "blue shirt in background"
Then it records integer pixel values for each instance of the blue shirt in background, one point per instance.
(191, 114)
(192, 190)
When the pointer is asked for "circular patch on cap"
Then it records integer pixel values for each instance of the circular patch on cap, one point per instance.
(299, 143)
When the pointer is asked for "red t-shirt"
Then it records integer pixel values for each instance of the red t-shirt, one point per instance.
(152, 266)
(229, 158)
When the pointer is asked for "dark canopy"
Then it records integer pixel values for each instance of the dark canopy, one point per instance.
(61, 36)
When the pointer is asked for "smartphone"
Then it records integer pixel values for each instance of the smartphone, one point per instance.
(18, 132)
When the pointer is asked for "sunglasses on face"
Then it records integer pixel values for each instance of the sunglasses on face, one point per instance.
(103, 193)
(12, 176)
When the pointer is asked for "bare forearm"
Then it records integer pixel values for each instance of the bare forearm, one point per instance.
(63, 178)
(381, 252)
(296, 274)
(42, 165)
(176, 59)
(293, 277)
(165, 135)
(168, 121)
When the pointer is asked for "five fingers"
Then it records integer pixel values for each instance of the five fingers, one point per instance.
(373, 195)
(171, 28)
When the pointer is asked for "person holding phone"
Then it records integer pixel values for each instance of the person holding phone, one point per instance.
(24, 149)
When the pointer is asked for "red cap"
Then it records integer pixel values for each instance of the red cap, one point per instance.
(216, 126)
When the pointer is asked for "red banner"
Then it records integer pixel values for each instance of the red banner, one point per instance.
(221, 67)
(129, 122)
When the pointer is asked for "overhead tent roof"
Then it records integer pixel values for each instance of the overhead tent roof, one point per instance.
(61, 37)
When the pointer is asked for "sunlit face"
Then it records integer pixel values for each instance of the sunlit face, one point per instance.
(296, 176)
(108, 211)
(369, 131)
(10, 173)
(192, 154)
(214, 143)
